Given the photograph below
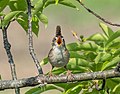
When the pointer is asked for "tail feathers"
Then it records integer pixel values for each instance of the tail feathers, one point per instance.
(58, 31)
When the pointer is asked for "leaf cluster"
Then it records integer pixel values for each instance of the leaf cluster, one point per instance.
(18, 12)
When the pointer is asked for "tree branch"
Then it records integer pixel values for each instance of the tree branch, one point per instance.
(7, 47)
(31, 49)
(98, 16)
(33, 81)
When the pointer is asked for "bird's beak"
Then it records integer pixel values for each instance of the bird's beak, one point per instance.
(59, 41)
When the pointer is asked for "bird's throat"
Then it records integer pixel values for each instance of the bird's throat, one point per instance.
(59, 41)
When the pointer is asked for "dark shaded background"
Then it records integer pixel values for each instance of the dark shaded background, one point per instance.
(70, 19)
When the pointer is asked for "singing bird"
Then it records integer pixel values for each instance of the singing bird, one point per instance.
(59, 55)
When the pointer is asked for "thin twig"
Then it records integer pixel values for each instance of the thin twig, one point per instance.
(7, 47)
(33, 81)
(98, 16)
(31, 49)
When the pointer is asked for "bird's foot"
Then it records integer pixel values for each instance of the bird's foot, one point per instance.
(41, 81)
(50, 74)
(70, 76)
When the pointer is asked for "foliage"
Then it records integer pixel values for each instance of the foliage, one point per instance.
(18, 12)
(97, 52)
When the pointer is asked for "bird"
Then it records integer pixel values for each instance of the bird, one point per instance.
(59, 55)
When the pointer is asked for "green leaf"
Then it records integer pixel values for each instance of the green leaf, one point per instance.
(49, 2)
(73, 47)
(109, 85)
(63, 2)
(98, 58)
(113, 37)
(38, 90)
(74, 54)
(43, 19)
(9, 17)
(90, 56)
(61, 85)
(74, 89)
(107, 31)
(56, 2)
(44, 61)
(117, 52)
(112, 63)
(115, 80)
(3, 4)
(38, 7)
(114, 45)
(57, 71)
(78, 65)
(116, 89)
(88, 46)
(18, 5)
(106, 57)
(23, 21)
(97, 37)
(35, 25)
(67, 3)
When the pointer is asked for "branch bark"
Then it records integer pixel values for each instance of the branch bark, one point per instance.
(7, 47)
(37, 80)
(98, 16)
(31, 49)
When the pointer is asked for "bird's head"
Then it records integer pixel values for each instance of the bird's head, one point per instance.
(58, 39)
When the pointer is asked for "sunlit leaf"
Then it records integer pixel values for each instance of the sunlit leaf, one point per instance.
(74, 54)
(56, 2)
(49, 2)
(85, 46)
(109, 85)
(112, 37)
(3, 4)
(44, 61)
(112, 63)
(38, 90)
(73, 47)
(116, 89)
(97, 37)
(115, 45)
(43, 19)
(35, 25)
(9, 17)
(38, 7)
(18, 5)
(59, 71)
(67, 3)
(78, 65)
(74, 89)
(98, 57)
(23, 21)
(117, 52)
(90, 56)
(106, 56)
(107, 31)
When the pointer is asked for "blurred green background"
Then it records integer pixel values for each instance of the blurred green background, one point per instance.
(70, 19)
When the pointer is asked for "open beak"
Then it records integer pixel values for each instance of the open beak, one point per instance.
(59, 41)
